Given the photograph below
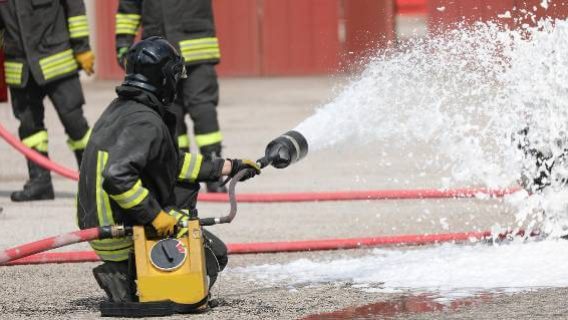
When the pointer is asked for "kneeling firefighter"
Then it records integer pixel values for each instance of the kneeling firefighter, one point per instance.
(133, 174)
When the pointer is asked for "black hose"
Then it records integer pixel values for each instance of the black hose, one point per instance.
(232, 201)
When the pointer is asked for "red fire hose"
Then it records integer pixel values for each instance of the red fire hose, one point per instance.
(22, 255)
(360, 195)
(353, 243)
(66, 239)
(48, 244)
(36, 156)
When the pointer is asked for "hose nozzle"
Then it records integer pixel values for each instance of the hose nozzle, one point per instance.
(281, 152)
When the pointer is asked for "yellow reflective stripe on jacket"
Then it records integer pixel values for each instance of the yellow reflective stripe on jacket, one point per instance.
(132, 197)
(180, 216)
(201, 55)
(208, 139)
(78, 26)
(190, 167)
(58, 64)
(108, 249)
(127, 23)
(80, 144)
(113, 255)
(104, 211)
(112, 244)
(37, 141)
(200, 49)
(13, 72)
(183, 141)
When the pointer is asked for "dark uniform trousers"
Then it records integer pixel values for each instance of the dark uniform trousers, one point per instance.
(67, 97)
(41, 40)
(189, 26)
(199, 97)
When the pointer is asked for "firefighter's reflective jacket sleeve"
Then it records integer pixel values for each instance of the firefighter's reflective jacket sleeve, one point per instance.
(77, 25)
(193, 168)
(127, 158)
(127, 22)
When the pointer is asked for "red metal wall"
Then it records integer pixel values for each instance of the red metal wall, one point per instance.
(300, 37)
(276, 37)
(106, 65)
(369, 24)
(559, 9)
(239, 36)
(413, 7)
(485, 10)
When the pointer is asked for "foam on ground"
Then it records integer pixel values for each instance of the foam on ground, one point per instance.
(449, 269)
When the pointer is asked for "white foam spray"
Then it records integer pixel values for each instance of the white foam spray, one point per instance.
(447, 269)
(467, 93)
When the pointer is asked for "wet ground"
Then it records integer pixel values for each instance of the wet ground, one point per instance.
(252, 112)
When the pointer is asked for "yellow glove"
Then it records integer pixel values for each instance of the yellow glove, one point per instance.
(183, 217)
(164, 224)
(87, 61)
(244, 164)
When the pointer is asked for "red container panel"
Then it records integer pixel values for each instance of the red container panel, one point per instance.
(369, 25)
(106, 65)
(442, 13)
(445, 13)
(521, 11)
(411, 7)
(299, 37)
(237, 28)
(496, 8)
(559, 9)
(238, 32)
(275, 37)
(528, 12)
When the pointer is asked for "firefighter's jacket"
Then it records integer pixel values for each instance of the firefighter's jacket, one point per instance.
(187, 24)
(130, 167)
(41, 38)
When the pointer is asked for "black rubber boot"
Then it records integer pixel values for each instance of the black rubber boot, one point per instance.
(38, 187)
(117, 282)
(211, 152)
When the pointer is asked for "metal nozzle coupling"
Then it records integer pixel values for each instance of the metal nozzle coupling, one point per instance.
(117, 231)
(281, 152)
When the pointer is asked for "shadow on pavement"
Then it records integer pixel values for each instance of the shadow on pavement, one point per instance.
(87, 304)
(59, 194)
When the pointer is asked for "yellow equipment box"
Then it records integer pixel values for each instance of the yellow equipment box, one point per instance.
(171, 269)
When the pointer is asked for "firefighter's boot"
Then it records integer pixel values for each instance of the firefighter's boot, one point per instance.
(38, 187)
(211, 152)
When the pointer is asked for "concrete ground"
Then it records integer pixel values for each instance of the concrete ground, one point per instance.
(252, 112)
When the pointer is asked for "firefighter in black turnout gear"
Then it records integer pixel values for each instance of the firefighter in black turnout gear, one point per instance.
(133, 172)
(46, 42)
(189, 26)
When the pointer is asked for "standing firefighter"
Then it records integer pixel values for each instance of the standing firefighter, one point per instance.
(189, 26)
(133, 172)
(45, 43)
